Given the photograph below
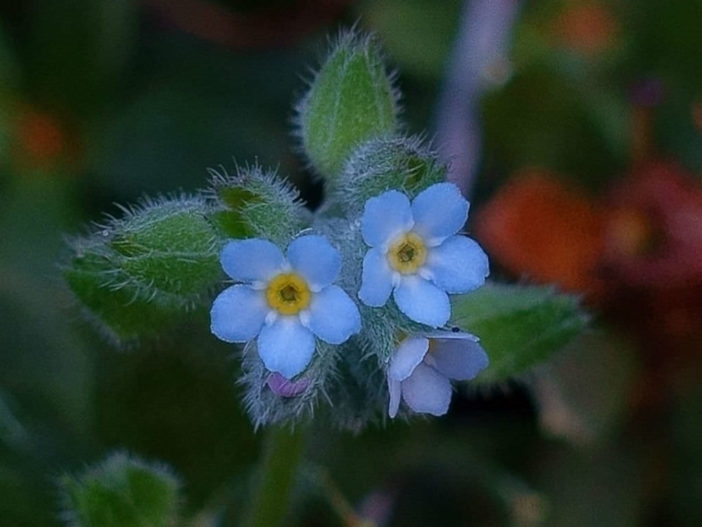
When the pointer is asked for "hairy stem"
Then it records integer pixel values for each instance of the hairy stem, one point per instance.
(282, 453)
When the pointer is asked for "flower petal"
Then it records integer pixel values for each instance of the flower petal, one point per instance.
(332, 315)
(283, 387)
(385, 217)
(408, 355)
(285, 346)
(315, 259)
(427, 391)
(458, 265)
(252, 260)
(422, 301)
(457, 357)
(395, 389)
(238, 313)
(439, 212)
(376, 280)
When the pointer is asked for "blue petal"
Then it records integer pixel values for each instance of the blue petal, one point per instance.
(458, 265)
(439, 212)
(427, 391)
(395, 389)
(385, 217)
(332, 315)
(408, 355)
(457, 356)
(238, 313)
(315, 259)
(376, 280)
(422, 301)
(252, 260)
(285, 346)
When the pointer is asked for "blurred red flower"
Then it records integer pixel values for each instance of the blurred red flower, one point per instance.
(652, 261)
(637, 253)
(537, 226)
(42, 141)
(588, 28)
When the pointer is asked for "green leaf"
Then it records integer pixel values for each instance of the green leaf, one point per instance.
(350, 100)
(122, 492)
(140, 274)
(171, 247)
(518, 326)
(120, 310)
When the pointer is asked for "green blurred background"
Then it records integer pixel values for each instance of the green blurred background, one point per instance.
(588, 178)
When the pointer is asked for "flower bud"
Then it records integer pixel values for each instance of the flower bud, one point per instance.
(121, 492)
(350, 100)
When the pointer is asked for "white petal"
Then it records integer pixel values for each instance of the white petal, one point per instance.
(458, 265)
(315, 259)
(376, 280)
(427, 391)
(385, 217)
(422, 301)
(457, 358)
(408, 355)
(238, 313)
(395, 389)
(332, 315)
(439, 211)
(286, 346)
(252, 260)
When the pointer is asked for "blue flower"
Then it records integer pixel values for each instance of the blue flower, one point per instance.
(421, 367)
(286, 303)
(415, 252)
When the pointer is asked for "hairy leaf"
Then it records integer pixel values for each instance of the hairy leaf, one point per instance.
(519, 326)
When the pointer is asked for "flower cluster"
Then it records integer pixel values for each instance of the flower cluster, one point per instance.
(286, 304)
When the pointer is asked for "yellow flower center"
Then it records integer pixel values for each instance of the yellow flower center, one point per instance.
(407, 254)
(288, 293)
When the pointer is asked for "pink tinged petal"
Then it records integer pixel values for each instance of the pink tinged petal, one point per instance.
(252, 260)
(315, 259)
(408, 355)
(458, 265)
(385, 217)
(376, 280)
(426, 391)
(286, 346)
(283, 387)
(395, 389)
(332, 315)
(422, 301)
(439, 212)
(238, 313)
(457, 358)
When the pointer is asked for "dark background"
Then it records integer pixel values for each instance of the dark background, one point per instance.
(588, 178)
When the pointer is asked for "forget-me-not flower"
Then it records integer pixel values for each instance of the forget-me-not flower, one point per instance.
(285, 303)
(416, 252)
(421, 367)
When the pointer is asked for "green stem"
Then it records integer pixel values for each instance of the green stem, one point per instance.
(282, 454)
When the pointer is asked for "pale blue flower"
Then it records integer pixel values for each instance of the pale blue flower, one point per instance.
(422, 366)
(416, 252)
(285, 302)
